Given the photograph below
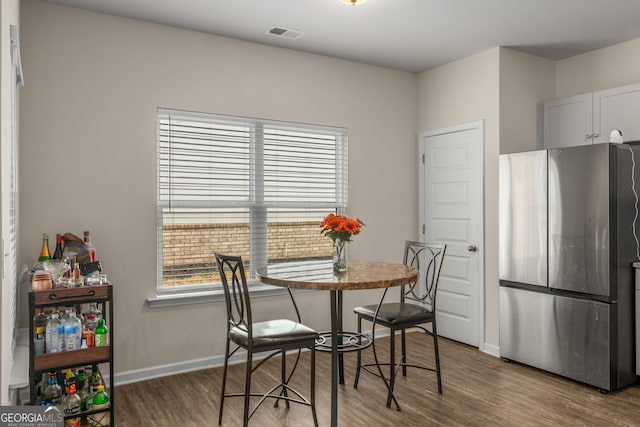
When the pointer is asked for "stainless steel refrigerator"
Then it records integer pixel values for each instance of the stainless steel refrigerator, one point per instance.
(566, 252)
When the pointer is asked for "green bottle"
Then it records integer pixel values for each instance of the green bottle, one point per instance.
(45, 255)
(100, 402)
(83, 390)
(101, 334)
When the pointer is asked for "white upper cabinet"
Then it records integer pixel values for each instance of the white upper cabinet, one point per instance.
(617, 109)
(590, 118)
(568, 121)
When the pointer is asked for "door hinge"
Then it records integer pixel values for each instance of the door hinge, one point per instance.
(424, 229)
(423, 159)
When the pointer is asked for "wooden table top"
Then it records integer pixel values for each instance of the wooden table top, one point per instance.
(319, 275)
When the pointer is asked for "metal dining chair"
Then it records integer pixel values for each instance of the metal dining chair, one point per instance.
(416, 309)
(275, 336)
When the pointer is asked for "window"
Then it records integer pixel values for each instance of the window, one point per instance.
(255, 188)
(10, 190)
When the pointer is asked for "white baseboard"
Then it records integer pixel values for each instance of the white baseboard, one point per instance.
(217, 361)
(173, 369)
(490, 349)
(191, 365)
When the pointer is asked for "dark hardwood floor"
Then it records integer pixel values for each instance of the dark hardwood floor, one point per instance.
(478, 390)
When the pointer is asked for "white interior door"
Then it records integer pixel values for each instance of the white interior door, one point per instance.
(451, 195)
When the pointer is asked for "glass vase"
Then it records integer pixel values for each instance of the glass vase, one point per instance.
(340, 256)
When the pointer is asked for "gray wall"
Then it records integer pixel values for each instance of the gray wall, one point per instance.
(88, 153)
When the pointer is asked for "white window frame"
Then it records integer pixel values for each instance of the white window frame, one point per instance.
(187, 294)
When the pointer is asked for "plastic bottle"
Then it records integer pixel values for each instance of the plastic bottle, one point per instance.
(100, 401)
(72, 331)
(54, 334)
(45, 255)
(101, 332)
(53, 392)
(71, 405)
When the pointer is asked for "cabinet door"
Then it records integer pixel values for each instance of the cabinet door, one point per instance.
(568, 121)
(617, 108)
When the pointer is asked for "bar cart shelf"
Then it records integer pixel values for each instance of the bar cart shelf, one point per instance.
(102, 295)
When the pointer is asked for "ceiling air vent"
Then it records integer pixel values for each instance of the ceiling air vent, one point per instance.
(285, 33)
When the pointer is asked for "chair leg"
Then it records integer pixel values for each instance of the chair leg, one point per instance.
(283, 355)
(224, 381)
(437, 354)
(404, 353)
(359, 358)
(312, 398)
(392, 365)
(247, 389)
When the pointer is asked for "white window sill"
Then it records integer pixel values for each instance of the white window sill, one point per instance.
(200, 297)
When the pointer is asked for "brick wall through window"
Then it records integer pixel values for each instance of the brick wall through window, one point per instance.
(188, 248)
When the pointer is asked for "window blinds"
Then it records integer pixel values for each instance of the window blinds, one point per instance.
(252, 187)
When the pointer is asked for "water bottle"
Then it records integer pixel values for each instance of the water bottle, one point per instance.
(72, 331)
(54, 334)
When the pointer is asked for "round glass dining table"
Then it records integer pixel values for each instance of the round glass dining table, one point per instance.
(319, 275)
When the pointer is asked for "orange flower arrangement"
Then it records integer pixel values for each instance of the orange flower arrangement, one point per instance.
(338, 227)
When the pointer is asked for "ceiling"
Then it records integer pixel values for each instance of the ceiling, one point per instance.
(410, 35)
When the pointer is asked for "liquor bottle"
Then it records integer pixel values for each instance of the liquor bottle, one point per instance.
(76, 271)
(79, 314)
(101, 334)
(45, 255)
(71, 404)
(95, 380)
(38, 341)
(69, 379)
(91, 322)
(89, 245)
(53, 392)
(57, 253)
(100, 402)
(82, 390)
(40, 324)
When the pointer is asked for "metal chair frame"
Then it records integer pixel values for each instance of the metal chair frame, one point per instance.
(410, 294)
(239, 318)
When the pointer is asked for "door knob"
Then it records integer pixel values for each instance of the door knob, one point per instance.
(472, 248)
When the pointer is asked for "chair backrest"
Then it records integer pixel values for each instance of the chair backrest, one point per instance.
(236, 291)
(427, 258)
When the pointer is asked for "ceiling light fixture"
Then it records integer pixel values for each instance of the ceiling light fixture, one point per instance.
(353, 2)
